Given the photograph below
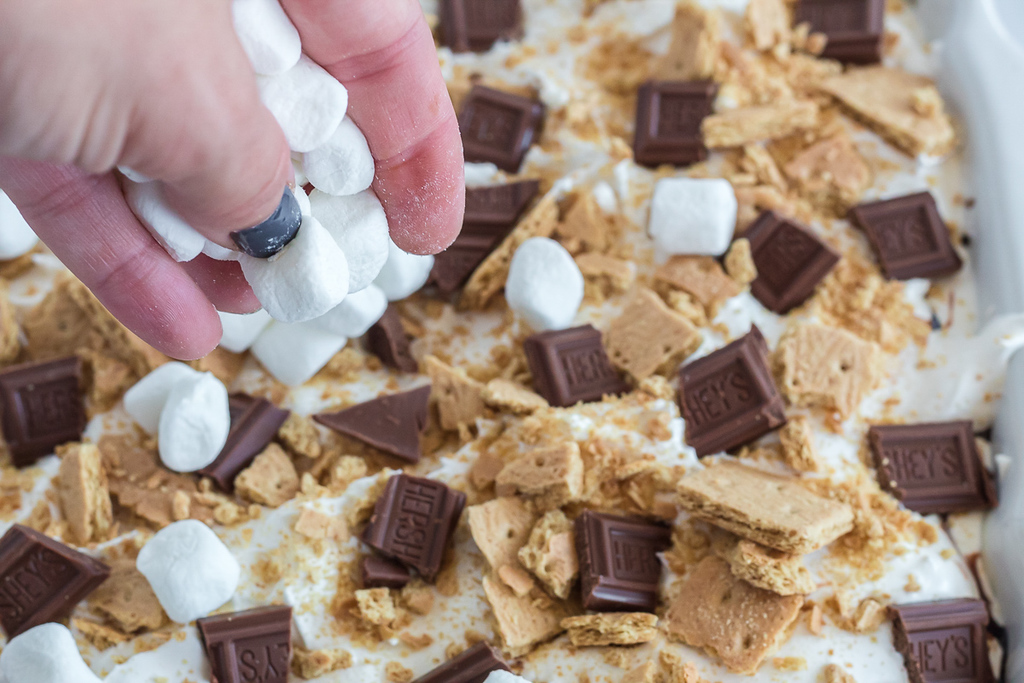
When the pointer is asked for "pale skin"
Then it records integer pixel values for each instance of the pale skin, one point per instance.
(164, 87)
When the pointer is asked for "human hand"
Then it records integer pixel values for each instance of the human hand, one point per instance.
(164, 87)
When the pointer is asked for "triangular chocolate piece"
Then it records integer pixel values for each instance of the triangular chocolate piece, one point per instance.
(390, 423)
(255, 645)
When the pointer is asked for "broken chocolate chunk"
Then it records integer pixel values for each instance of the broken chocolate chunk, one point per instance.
(392, 423)
(382, 572)
(41, 405)
(249, 646)
(388, 341)
(475, 25)
(571, 365)
(471, 666)
(254, 422)
(499, 127)
(668, 119)
(855, 28)
(943, 641)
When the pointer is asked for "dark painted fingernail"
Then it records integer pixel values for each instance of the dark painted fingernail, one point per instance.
(271, 236)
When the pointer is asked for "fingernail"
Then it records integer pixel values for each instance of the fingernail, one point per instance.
(271, 236)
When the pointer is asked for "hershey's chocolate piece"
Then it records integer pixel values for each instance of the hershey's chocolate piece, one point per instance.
(619, 567)
(668, 119)
(250, 646)
(42, 579)
(943, 641)
(254, 422)
(571, 365)
(855, 28)
(383, 572)
(388, 341)
(471, 666)
(491, 213)
(499, 127)
(41, 405)
(790, 261)
(729, 398)
(412, 522)
(932, 467)
(390, 423)
(908, 236)
(475, 25)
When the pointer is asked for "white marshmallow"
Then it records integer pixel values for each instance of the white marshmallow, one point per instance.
(16, 237)
(194, 423)
(544, 284)
(358, 224)
(403, 273)
(215, 251)
(267, 35)
(343, 165)
(147, 397)
(45, 654)
(133, 175)
(302, 199)
(605, 197)
(240, 331)
(500, 676)
(692, 216)
(302, 281)
(356, 314)
(300, 174)
(180, 239)
(294, 352)
(307, 101)
(191, 571)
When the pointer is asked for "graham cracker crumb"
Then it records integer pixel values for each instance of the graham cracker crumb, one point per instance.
(693, 51)
(700, 276)
(396, 673)
(815, 620)
(459, 398)
(658, 387)
(798, 445)
(376, 606)
(181, 506)
(507, 396)
(790, 663)
(552, 475)
(649, 336)
(676, 670)
(102, 637)
(224, 365)
(833, 673)
(765, 568)
(83, 492)
(738, 127)
(550, 553)
(830, 174)
(522, 622)
(622, 628)
(645, 673)
(500, 527)
(344, 471)
(416, 642)
(485, 470)
(585, 226)
(687, 306)
(868, 617)
(605, 275)
(417, 597)
(739, 262)
(311, 664)
(10, 343)
(299, 435)
(767, 23)
(127, 600)
(271, 479)
(317, 525)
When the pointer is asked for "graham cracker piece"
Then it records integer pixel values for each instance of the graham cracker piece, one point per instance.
(108, 379)
(500, 527)
(317, 525)
(10, 341)
(585, 226)
(299, 435)
(692, 54)
(739, 262)
(551, 475)
(798, 445)
(774, 511)
(126, 599)
(833, 673)
(645, 673)
(310, 664)
(508, 396)
(484, 471)
(687, 306)
(459, 397)
(826, 367)
(100, 635)
(831, 173)
(550, 553)
(84, 496)
(270, 480)
(417, 597)
(890, 102)
(522, 621)
(649, 336)
(767, 23)
(727, 617)
(765, 568)
(376, 606)
(867, 618)
(606, 274)
(489, 277)
(700, 276)
(621, 628)
(739, 127)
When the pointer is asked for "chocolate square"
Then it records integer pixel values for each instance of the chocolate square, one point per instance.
(908, 236)
(729, 398)
(619, 565)
(391, 423)
(790, 261)
(499, 127)
(932, 467)
(475, 25)
(571, 365)
(471, 666)
(668, 120)
(250, 646)
(42, 407)
(855, 28)
(943, 641)
(254, 424)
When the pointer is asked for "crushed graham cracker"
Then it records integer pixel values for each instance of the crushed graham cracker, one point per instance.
(645, 673)
(508, 396)
(485, 469)
(417, 597)
(298, 433)
(765, 568)
(676, 670)
(693, 50)
(831, 173)
(605, 275)
(270, 480)
(550, 553)
(10, 341)
(500, 527)
(700, 276)
(376, 606)
(522, 622)
(739, 262)
(585, 226)
(551, 475)
(746, 125)
(767, 23)
(397, 673)
(317, 525)
(126, 599)
(621, 628)
(649, 336)
(867, 618)
(100, 635)
(458, 396)
(310, 664)
(798, 445)
(84, 496)
(833, 673)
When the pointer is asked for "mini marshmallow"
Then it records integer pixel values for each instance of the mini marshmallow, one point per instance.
(240, 331)
(267, 35)
(302, 199)
(692, 216)
(191, 571)
(358, 224)
(403, 273)
(294, 352)
(300, 174)
(45, 654)
(16, 237)
(343, 165)
(194, 423)
(302, 281)
(180, 239)
(145, 400)
(356, 314)
(307, 101)
(544, 284)
(215, 251)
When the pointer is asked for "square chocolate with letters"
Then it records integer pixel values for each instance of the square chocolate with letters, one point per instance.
(619, 566)
(729, 398)
(42, 407)
(943, 641)
(932, 467)
(908, 236)
(668, 119)
(855, 28)
(499, 127)
(571, 365)
(475, 25)
(249, 647)
(790, 261)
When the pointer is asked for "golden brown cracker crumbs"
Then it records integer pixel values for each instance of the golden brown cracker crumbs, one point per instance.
(658, 387)
(676, 670)
(346, 365)
(912, 585)
(376, 606)
(396, 673)
(868, 617)
(831, 173)
(224, 364)
(766, 568)
(585, 226)
(299, 435)
(345, 470)
(101, 636)
(798, 445)
(181, 506)
(815, 620)
(317, 525)
(605, 275)
(311, 664)
(767, 23)
(833, 673)
(645, 673)
(417, 597)
(485, 469)
(83, 492)
(107, 380)
(702, 277)
(459, 397)
(127, 600)
(500, 527)
(739, 262)
(756, 160)
(729, 618)
(746, 125)
(687, 306)
(416, 642)
(789, 663)
(270, 479)
(691, 55)
(551, 475)
(516, 578)
(522, 622)
(690, 544)
(622, 628)
(550, 553)
(649, 336)
(504, 395)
